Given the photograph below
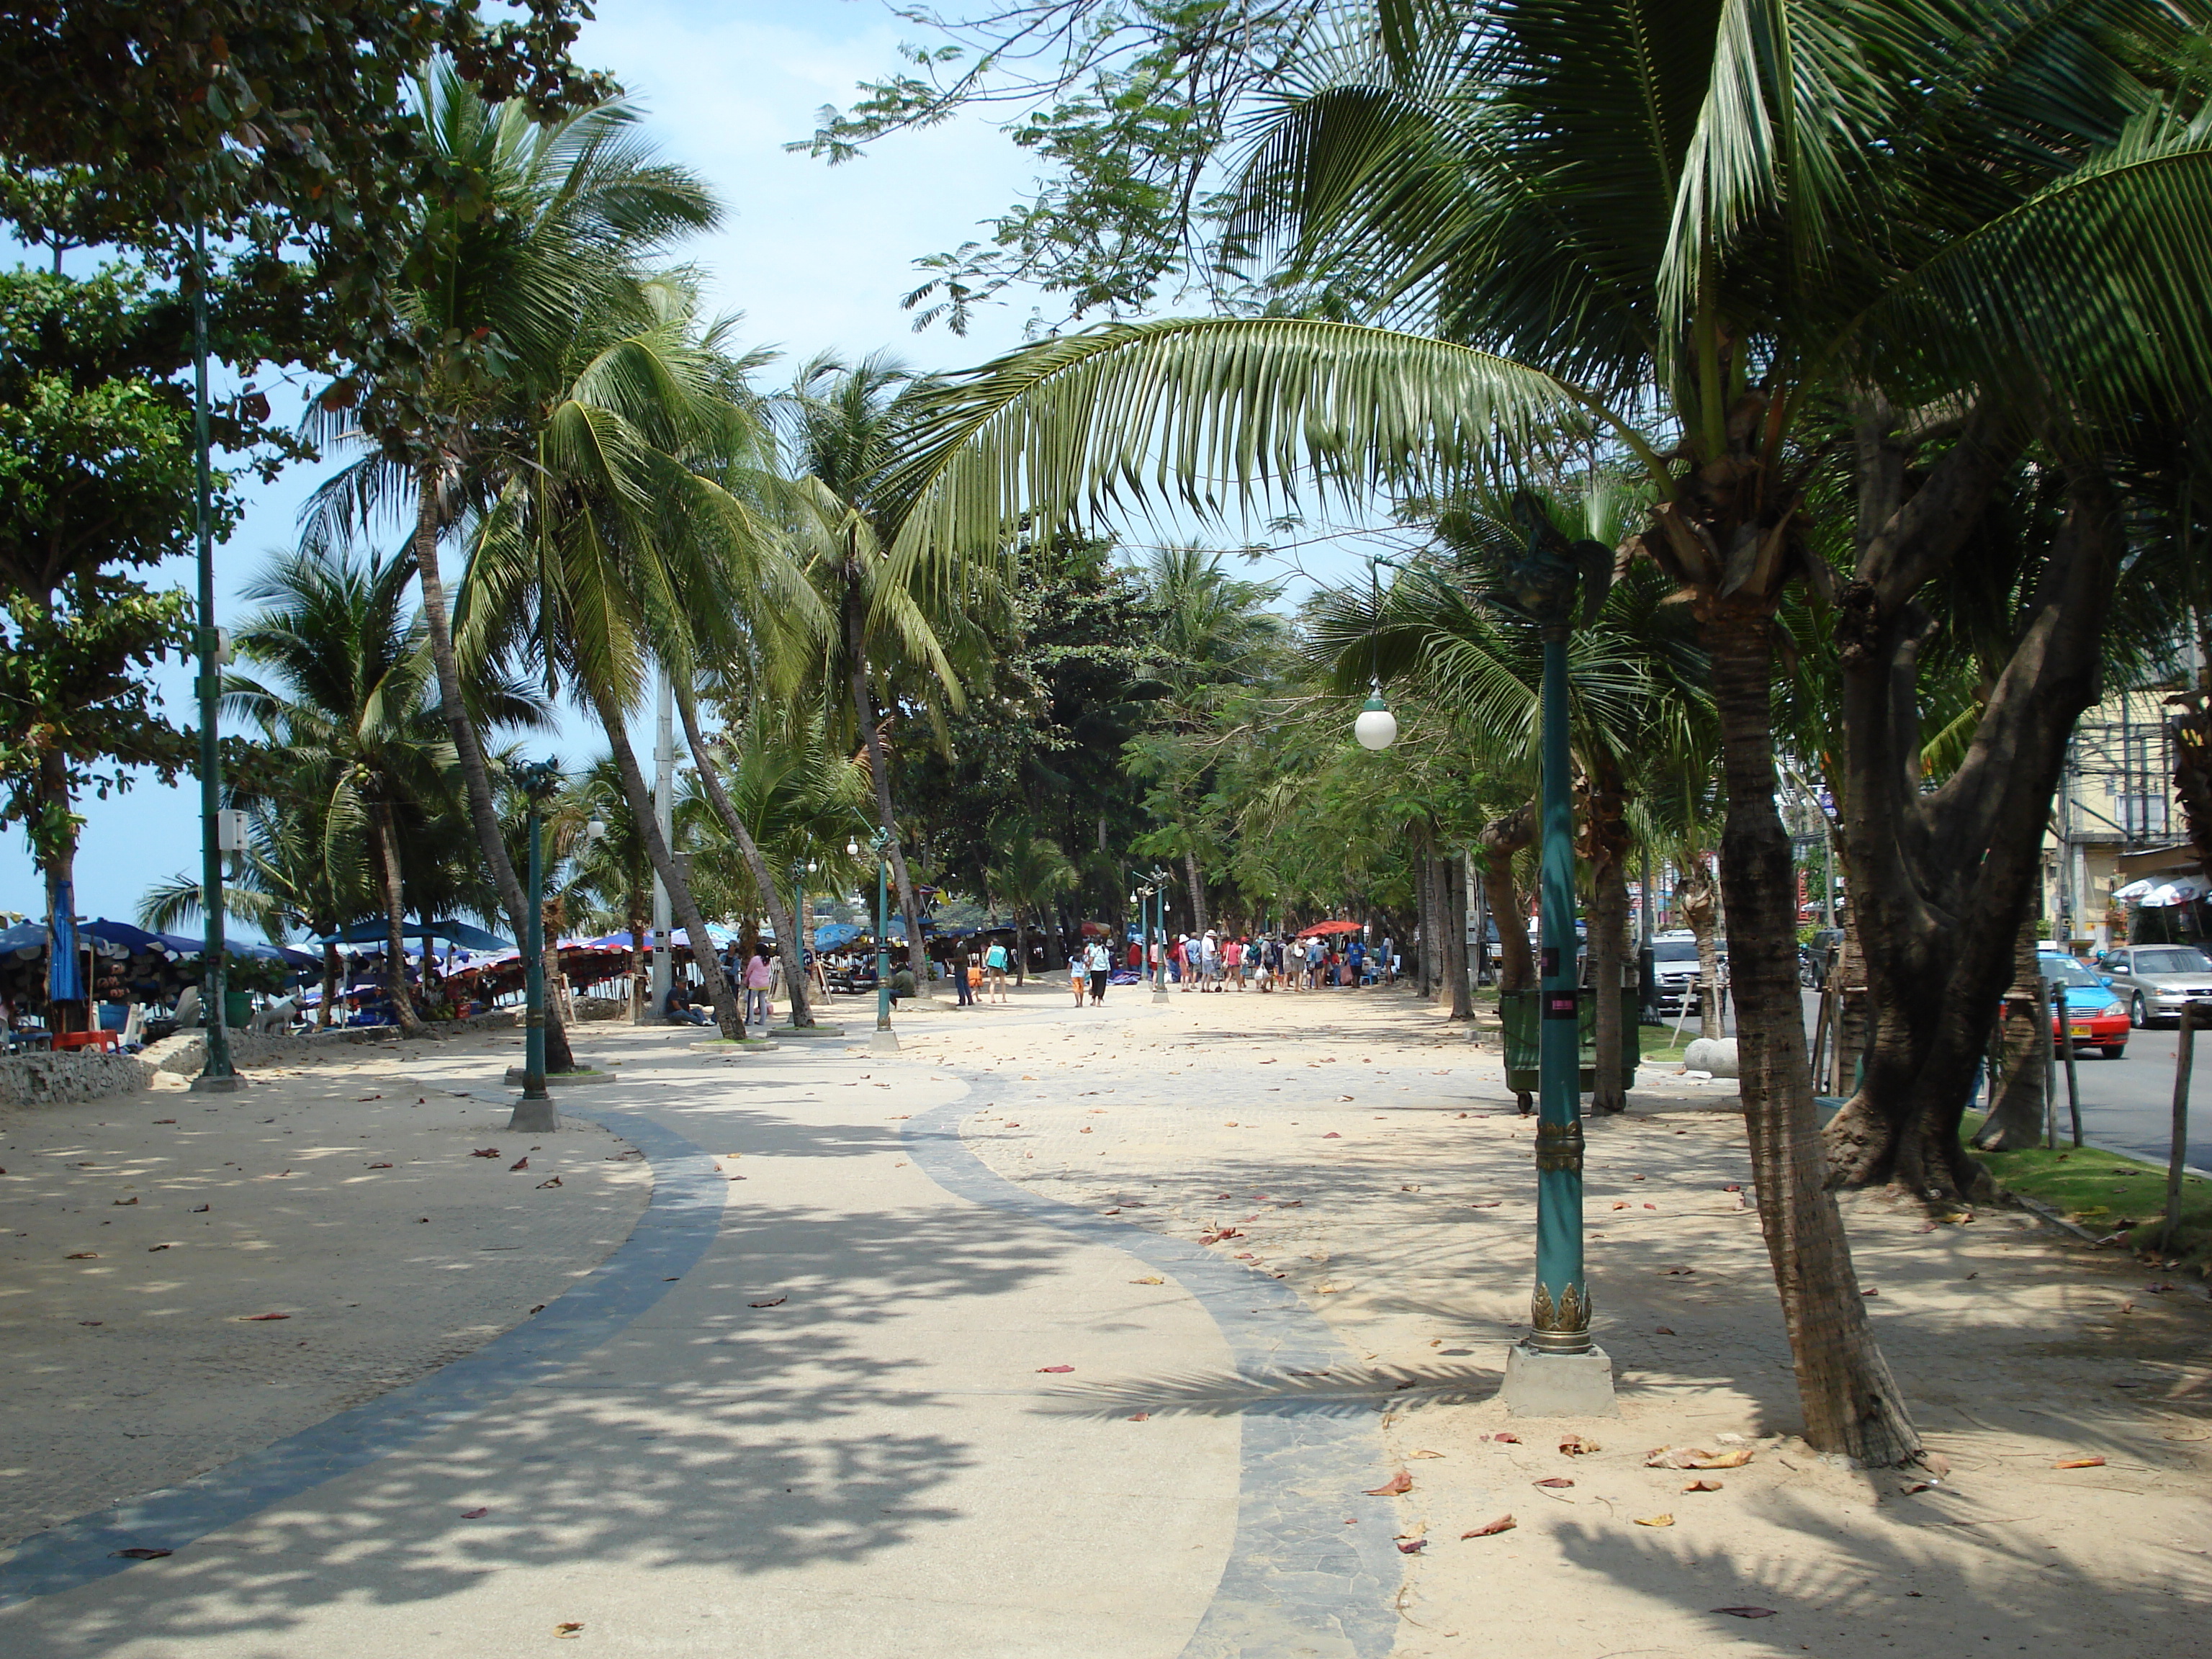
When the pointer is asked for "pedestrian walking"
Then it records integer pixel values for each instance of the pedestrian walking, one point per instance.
(1386, 962)
(957, 964)
(994, 971)
(757, 974)
(1100, 963)
(1079, 975)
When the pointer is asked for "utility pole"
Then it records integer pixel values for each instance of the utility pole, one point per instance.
(663, 816)
(218, 1076)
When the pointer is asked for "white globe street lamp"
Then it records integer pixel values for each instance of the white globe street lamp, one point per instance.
(1377, 726)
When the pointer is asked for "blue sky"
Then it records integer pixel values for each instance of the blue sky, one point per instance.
(815, 258)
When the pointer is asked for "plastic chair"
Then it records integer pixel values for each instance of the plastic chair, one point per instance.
(102, 1040)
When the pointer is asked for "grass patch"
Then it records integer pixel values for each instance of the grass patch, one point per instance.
(1658, 1042)
(2108, 1193)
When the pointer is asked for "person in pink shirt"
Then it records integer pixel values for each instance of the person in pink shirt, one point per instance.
(1232, 960)
(758, 976)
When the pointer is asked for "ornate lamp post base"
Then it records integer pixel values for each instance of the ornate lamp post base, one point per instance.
(534, 1117)
(1540, 1384)
(882, 1041)
(208, 1083)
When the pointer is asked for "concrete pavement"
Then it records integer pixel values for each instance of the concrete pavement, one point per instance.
(825, 1416)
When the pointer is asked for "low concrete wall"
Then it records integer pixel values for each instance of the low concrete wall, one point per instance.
(62, 1079)
(92, 1074)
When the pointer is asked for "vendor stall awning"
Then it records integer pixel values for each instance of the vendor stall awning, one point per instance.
(456, 933)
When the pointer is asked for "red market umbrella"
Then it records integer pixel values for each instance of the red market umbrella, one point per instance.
(1320, 928)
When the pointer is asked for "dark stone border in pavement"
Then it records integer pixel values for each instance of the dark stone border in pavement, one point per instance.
(680, 1222)
(1298, 1580)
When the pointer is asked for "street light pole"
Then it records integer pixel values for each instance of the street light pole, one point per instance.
(217, 1075)
(1555, 1370)
(884, 1040)
(534, 1114)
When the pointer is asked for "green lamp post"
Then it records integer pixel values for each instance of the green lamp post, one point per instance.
(1555, 1370)
(884, 1041)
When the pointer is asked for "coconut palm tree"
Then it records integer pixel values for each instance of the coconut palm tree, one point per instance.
(1720, 240)
(895, 628)
(1028, 872)
(543, 222)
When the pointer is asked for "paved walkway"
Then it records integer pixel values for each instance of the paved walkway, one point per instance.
(928, 1355)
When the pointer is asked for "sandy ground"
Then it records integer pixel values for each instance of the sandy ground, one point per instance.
(140, 1236)
(1373, 1160)
(1363, 1153)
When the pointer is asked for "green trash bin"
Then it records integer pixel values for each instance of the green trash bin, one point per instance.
(1519, 1012)
(237, 1009)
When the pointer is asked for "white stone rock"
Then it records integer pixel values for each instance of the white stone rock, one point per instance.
(1713, 1055)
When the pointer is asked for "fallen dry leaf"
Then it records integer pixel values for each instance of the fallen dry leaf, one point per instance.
(260, 1316)
(150, 1249)
(1696, 1457)
(1054, 1371)
(1556, 1482)
(1655, 1520)
(1503, 1523)
(1575, 1446)
(522, 1162)
(1396, 1486)
(379, 1166)
(1142, 1417)
(1332, 1135)
(2080, 1463)
(1664, 1330)
(485, 1151)
(140, 1552)
(165, 1120)
(200, 1209)
(543, 1185)
(1703, 1486)
(123, 1200)
(1149, 1279)
(82, 1255)
(1747, 1613)
(1411, 1545)
(772, 1302)
(1622, 1206)
(1510, 1438)
(474, 1514)
(568, 1630)
(1424, 1453)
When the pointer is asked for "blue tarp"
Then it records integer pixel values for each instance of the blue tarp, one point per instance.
(65, 973)
(122, 933)
(458, 933)
(25, 939)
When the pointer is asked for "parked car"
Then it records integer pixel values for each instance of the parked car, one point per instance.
(1813, 959)
(2095, 1018)
(2155, 980)
(1675, 971)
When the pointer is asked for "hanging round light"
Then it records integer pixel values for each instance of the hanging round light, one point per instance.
(1377, 726)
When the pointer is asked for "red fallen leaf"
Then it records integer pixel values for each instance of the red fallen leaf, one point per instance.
(165, 1120)
(543, 1185)
(485, 1151)
(82, 1255)
(1396, 1486)
(1622, 1206)
(1575, 1446)
(133, 1199)
(522, 1162)
(1503, 1523)
(474, 1514)
(371, 1097)
(1870, 1290)
(539, 1308)
(1142, 1416)
(1731, 1188)
(1703, 1486)
(379, 1166)
(1747, 1613)
(1651, 1207)
(1487, 1204)
(1509, 1439)
(139, 1552)
(92, 1321)
(2080, 1463)
(1411, 1545)
(1332, 1135)
(258, 1316)
(772, 1302)
(1054, 1371)
(1556, 1482)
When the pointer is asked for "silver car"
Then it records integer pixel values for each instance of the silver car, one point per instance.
(1675, 968)
(2155, 980)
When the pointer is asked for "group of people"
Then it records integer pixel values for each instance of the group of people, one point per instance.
(1212, 962)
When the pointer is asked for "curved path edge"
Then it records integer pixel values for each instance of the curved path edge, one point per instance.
(679, 1222)
(1298, 1580)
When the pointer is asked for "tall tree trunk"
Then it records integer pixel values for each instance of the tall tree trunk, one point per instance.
(1850, 1401)
(386, 845)
(1500, 839)
(1454, 873)
(2017, 1099)
(1606, 834)
(1943, 880)
(330, 968)
(1197, 878)
(634, 919)
(727, 1014)
(1022, 950)
(476, 775)
(1699, 899)
(55, 837)
(779, 913)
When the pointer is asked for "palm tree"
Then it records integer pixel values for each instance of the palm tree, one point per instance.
(1028, 872)
(346, 698)
(545, 220)
(614, 869)
(894, 625)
